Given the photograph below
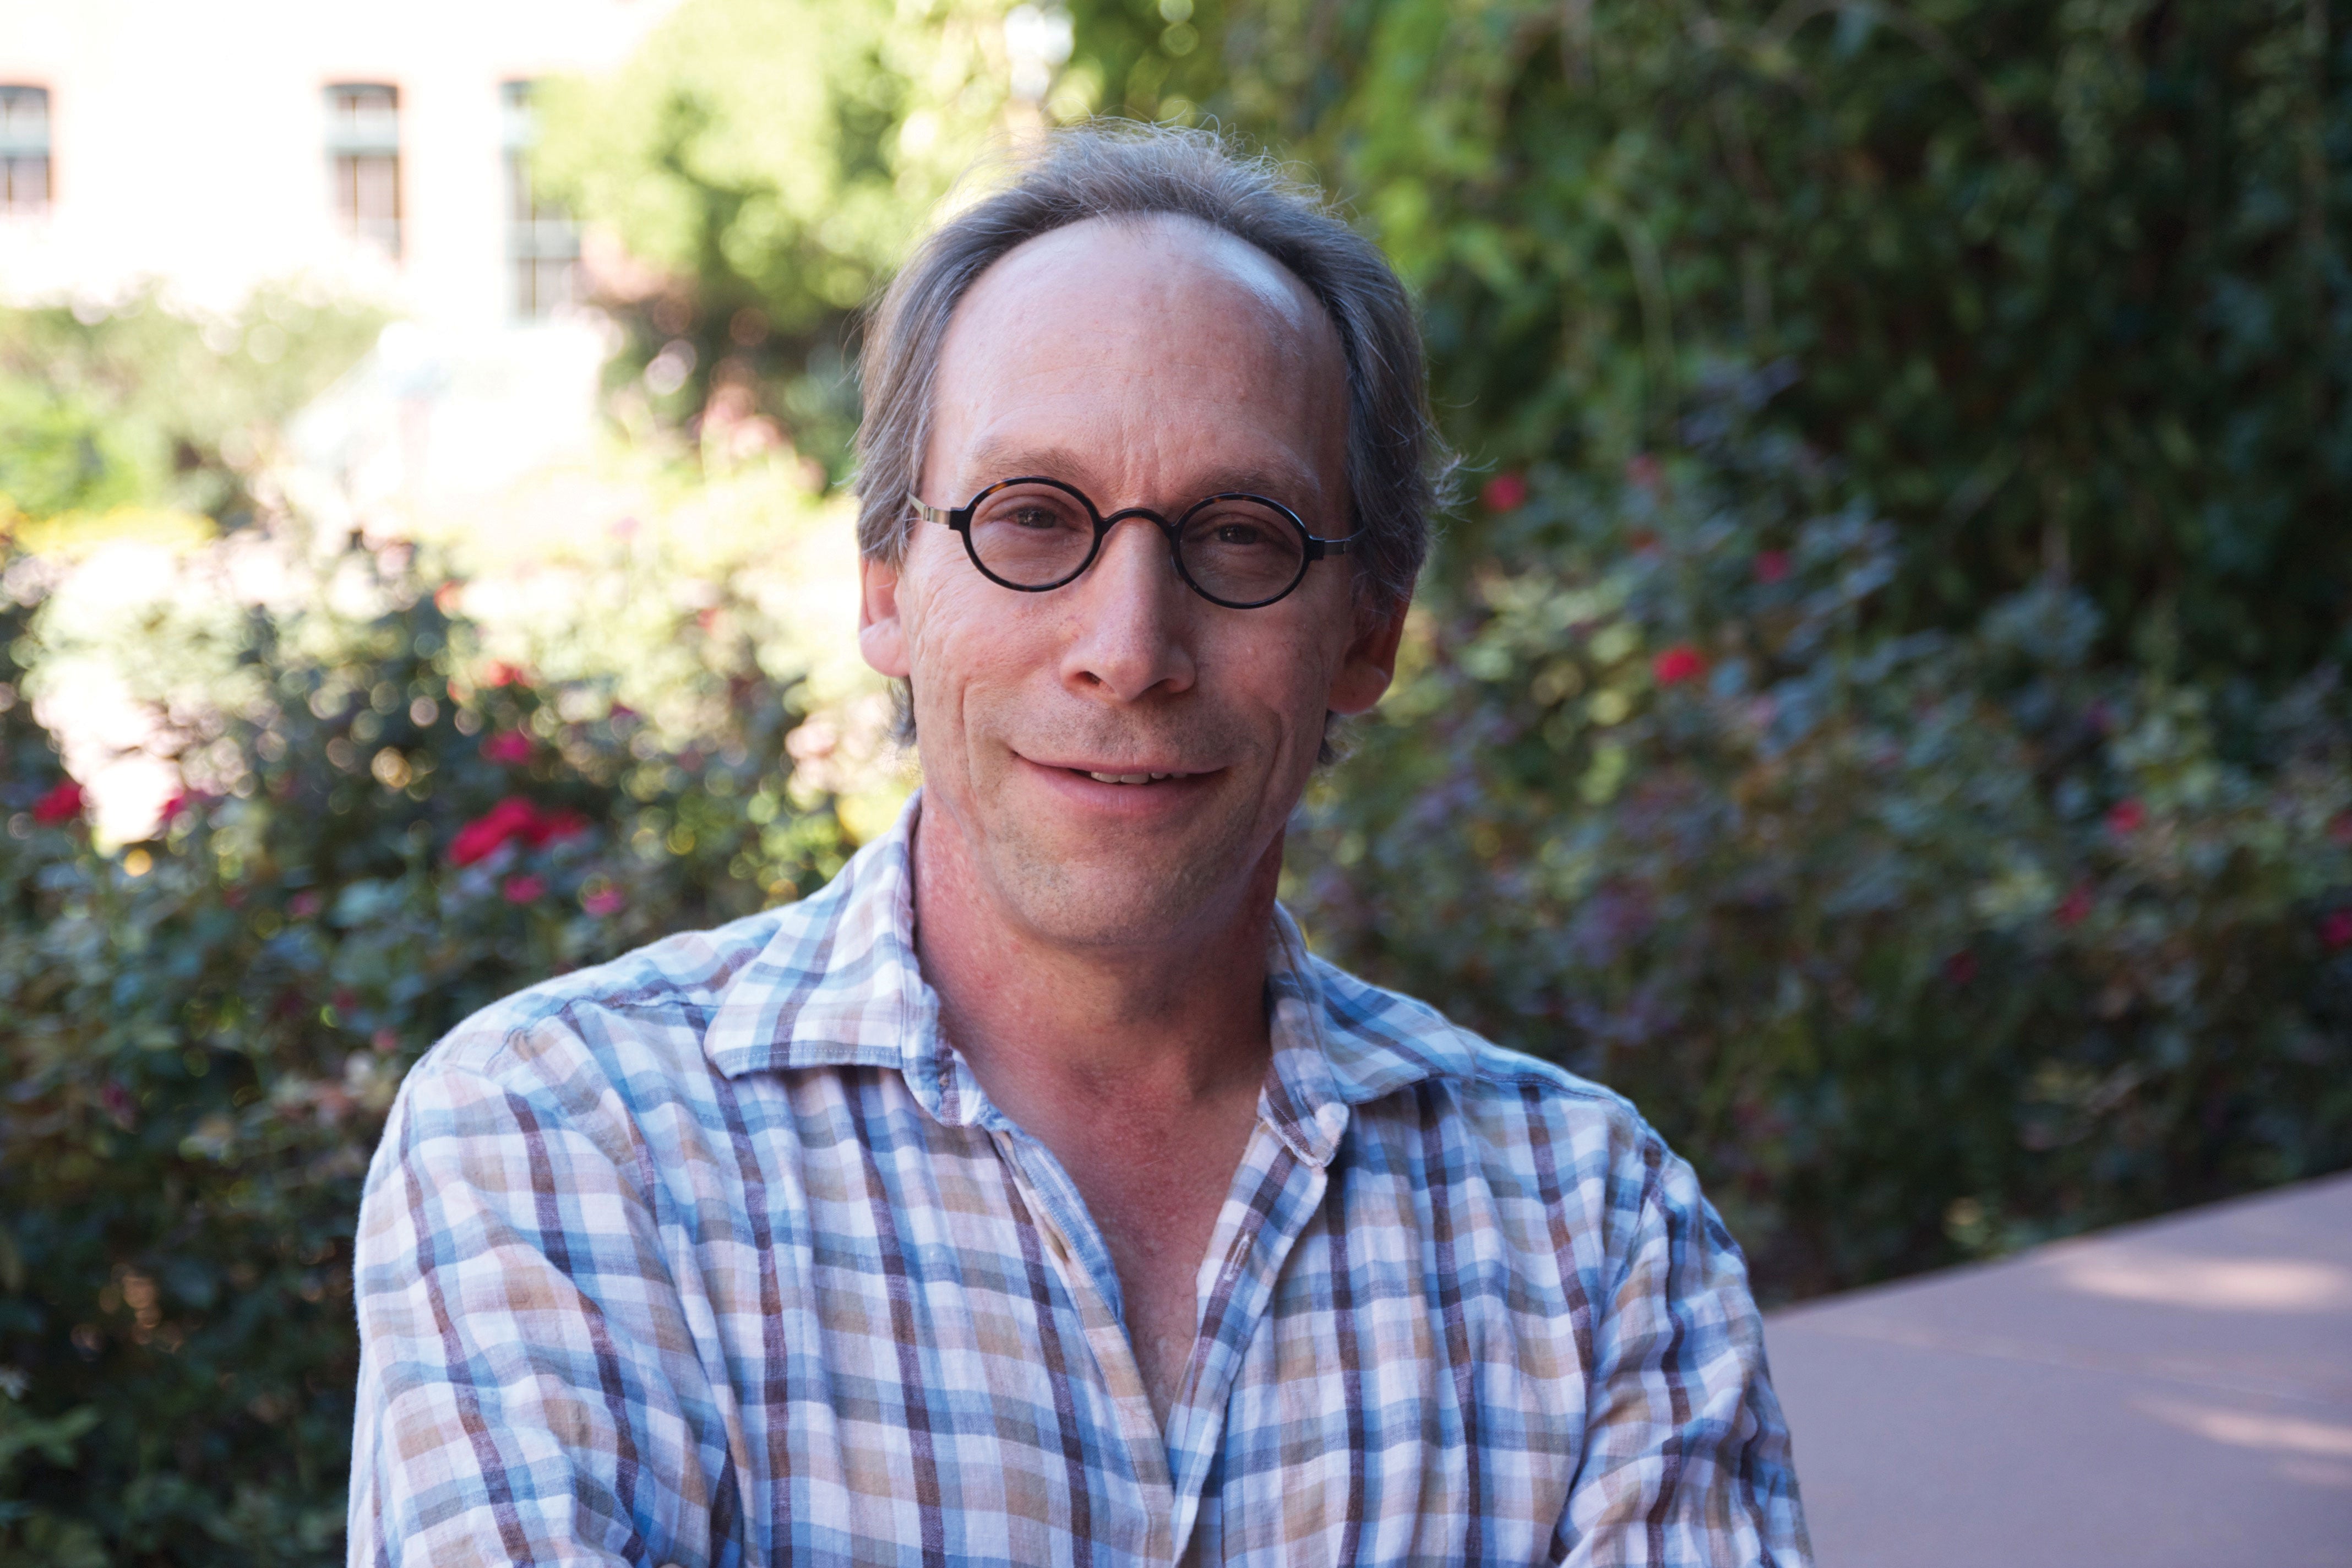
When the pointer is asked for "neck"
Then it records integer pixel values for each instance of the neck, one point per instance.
(1056, 1030)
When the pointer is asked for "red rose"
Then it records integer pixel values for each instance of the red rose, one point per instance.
(508, 746)
(523, 890)
(1505, 492)
(186, 800)
(62, 804)
(2076, 907)
(501, 673)
(2336, 929)
(557, 825)
(1771, 565)
(2129, 816)
(604, 900)
(1679, 663)
(513, 818)
(1961, 967)
(304, 904)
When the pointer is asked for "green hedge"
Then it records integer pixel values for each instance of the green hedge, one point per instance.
(1920, 947)
(2071, 284)
(202, 1032)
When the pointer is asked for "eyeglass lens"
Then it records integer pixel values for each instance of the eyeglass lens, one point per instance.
(1234, 549)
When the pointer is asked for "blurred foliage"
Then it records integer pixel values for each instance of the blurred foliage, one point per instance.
(1920, 947)
(205, 1029)
(2069, 282)
(138, 405)
(768, 161)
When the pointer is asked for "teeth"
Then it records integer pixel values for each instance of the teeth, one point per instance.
(1129, 778)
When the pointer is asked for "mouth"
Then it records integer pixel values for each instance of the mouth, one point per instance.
(1142, 773)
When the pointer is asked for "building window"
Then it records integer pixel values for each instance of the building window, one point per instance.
(542, 242)
(363, 157)
(24, 150)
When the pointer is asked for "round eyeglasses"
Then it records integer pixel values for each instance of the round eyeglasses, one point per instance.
(1032, 534)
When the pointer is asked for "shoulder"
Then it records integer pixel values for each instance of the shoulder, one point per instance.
(1523, 1124)
(605, 1041)
(1382, 1041)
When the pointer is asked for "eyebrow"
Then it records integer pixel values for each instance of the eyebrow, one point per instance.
(1281, 483)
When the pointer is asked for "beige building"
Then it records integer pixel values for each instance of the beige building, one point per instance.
(213, 148)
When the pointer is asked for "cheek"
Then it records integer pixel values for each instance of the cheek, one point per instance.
(1286, 672)
(964, 634)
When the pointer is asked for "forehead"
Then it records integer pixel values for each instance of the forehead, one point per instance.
(1159, 258)
(1161, 296)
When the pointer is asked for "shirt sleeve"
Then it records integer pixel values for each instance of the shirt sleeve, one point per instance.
(528, 1389)
(1687, 1461)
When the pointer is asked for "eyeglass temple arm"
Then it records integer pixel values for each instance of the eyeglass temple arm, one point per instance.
(951, 517)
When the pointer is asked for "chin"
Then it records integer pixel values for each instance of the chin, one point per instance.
(1113, 896)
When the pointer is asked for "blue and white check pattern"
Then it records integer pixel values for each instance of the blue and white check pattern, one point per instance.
(718, 1255)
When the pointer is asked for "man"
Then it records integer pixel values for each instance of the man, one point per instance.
(1031, 1195)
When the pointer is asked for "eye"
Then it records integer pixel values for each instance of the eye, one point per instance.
(1240, 533)
(1035, 517)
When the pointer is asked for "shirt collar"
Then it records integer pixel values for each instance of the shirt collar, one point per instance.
(837, 984)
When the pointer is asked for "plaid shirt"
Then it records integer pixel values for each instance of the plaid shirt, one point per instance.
(719, 1255)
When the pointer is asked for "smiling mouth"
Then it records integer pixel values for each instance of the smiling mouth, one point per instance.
(1129, 778)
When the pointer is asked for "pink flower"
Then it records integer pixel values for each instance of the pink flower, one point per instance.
(2075, 906)
(1771, 565)
(186, 800)
(1505, 492)
(2127, 816)
(61, 804)
(501, 673)
(523, 890)
(1642, 469)
(1679, 663)
(557, 825)
(2336, 929)
(1960, 968)
(503, 822)
(510, 747)
(2340, 830)
(513, 820)
(305, 904)
(604, 900)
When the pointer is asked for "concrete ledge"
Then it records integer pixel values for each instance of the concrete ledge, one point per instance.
(2173, 1393)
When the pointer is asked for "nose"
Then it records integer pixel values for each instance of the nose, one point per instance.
(1131, 620)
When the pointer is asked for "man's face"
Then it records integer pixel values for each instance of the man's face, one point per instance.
(1148, 363)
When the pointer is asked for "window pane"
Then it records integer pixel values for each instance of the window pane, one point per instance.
(362, 117)
(542, 242)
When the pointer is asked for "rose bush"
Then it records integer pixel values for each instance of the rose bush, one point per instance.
(200, 1034)
(1921, 946)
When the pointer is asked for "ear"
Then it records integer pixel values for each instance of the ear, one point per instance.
(881, 635)
(1369, 663)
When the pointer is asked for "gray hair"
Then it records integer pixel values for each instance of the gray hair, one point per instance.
(1398, 469)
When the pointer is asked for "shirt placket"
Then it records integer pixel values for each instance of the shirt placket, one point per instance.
(1079, 1258)
(1275, 1190)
